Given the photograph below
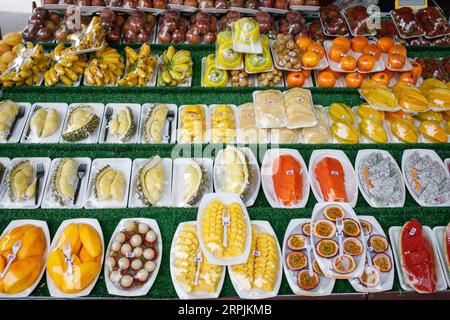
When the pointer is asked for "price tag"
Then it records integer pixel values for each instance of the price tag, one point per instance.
(256, 253)
(411, 3)
(412, 232)
(289, 172)
(334, 173)
(250, 115)
(130, 255)
(68, 259)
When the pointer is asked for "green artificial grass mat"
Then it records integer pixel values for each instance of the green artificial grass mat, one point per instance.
(169, 218)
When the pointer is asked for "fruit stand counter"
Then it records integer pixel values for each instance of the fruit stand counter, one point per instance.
(169, 218)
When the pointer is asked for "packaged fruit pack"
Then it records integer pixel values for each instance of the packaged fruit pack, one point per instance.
(359, 20)
(183, 5)
(75, 259)
(42, 26)
(133, 257)
(406, 24)
(140, 67)
(104, 68)
(24, 247)
(246, 36)
(172, 28)
(343, 124)
(156, 6)
(333, 23)
(227, 58)
(214, 6)
(175, 68)
(259, 63)
(371, 124)
(433, 22)
(90, 39)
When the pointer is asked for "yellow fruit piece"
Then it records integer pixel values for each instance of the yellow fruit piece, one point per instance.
(381, 97)
(12, 39)
(82, 277)
(223, 127)
(447, 127)
(341, 112)
(8, 240)
(4, 48)
(404, 131)
(266, 263)
(21, 274)
(7, 57)
(400, 86)
(369, 84)
(70, 234)
(85, 256)
(429, 84)
(439, 97)
(90, 239)
(430, 115)
(399, 115)
(33, 243)
(344, 132)
(192, 124)
(2, 265)
(245, 271)
(373, 130)
(432, 131)
(411, 99)
(56, 266)
(366, 111)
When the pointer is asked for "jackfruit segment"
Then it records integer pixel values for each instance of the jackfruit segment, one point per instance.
(191, 269)
(155, 123)
(212, 229)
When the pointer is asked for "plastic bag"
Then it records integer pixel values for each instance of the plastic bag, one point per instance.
(227, 58)
(172, 28)
(433, 22)
(404, 19)
(132, 255)
(140, 67)
(246, 36)
(299, 108)
(270, 111)
(90, 39)
(248, 132)
(360, 19)
(318, 133)
(333, 22)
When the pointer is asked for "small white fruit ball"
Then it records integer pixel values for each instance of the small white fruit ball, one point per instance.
(150, 266)
(126, 281)
(149, 254)
(130, 226)
(150, 236)
(136, 240)
(123, 263)
(136, 264)
(143, 228)
(110, 262)
(115, 246)
(115, 276)
(120, 237)
(142, 275)
(138, 252)
(125, 249)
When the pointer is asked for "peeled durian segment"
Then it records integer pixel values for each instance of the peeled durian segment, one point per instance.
(236, 171)
(118, 186)
(195, 182)
(154, 125)
(51, 123)
(37, 121)
(22, 182)
(8, 113)
(149, 181)
(81, 123)
(64, 181)
(109, 184)
(123, 125)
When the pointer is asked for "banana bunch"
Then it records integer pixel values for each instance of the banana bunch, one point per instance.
(27, 66)
(90, 38)
(67, 67)
(213, 231)
(140, 67)
(176, 67)
(104, 67)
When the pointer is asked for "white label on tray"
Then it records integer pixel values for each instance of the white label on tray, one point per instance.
(412, 232)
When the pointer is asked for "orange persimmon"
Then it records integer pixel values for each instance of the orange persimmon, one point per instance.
(336, 53)
(295, 79)
(310, 59)
(303, 43)
(407, 77)
(343, 43)
(396, 61)
(366, 62)
(359, 43)
(397, 49)
(348, 63)
(326, 79)
(317, 48)
(382, 77)
(353, 80)
(385, 43)
(372, 50)
(306, 73)
(416, 68)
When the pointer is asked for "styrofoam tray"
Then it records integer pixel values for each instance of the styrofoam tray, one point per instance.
(305, 8)
(327, 123)
(28, 204)
(145, 288)
(152, 10)
(61, 108)
(207, 120)
(262, 136)
(227, 199)
(145, 113)
(255, 173)
(117, 107)
(49, 201)
(311, 108)
(43, 225)
(326, 263)
(188, 83)
(273, 10)
(245, 293)
(20, 124)
(396, 108)
(182, 8)
(213, 10)
(394, 236)
(246, 11)
(438, 239)
(283, 118)
(386, 278)
(165, 201)
(233, 107)
(336, 66)
(182, 294)
(178, 189)
(435, 157)
(52, 288)
(121, 164)
(350, 179)
(406, 67)
(267, 173)
(394, 139)
(99, 110)
(326, 284)
(447, 164)
(6, 163)
(385, 154)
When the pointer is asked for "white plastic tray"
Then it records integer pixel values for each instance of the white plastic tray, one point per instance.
(206, 134)
(20, 124)
(146, 111)
(438, 238)
(99, 110)
(117, 107)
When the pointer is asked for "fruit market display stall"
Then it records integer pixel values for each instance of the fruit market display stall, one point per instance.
(324, 166)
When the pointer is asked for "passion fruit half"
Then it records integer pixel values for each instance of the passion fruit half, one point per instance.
(306, 281)
(353, 246)
(327, 248)
(378, 243)
(296, 242)
(366, 225)
(333, 213)
(344, 264)
(317, 268)
(324, 229)
(383, 262)
(351, 228)
(370, 277)
(296, 260)
(306, 229)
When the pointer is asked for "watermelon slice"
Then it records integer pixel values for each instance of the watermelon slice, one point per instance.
(417, 258)
(447, 246)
